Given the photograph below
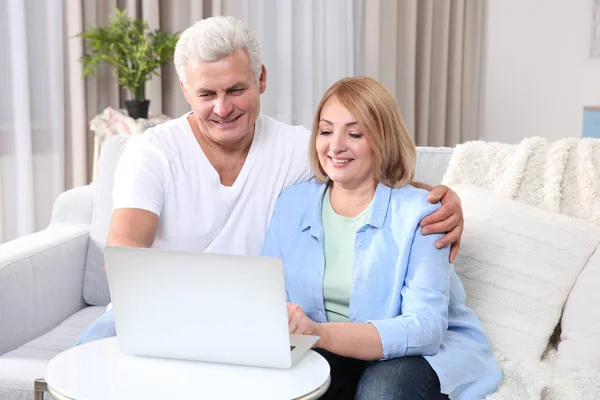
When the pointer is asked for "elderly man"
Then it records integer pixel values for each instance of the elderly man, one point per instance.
(208, 181)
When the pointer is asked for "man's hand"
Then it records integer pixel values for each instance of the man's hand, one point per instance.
(300, 324)
(448, 219)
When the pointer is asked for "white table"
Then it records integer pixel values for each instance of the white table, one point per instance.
(98, 370)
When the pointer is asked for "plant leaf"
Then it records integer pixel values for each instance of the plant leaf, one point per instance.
(130, 47)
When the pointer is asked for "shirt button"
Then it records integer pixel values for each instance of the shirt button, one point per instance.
(358, 244)
(356, 278)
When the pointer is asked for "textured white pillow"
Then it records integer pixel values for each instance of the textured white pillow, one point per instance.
(518, 264)
(579, 346)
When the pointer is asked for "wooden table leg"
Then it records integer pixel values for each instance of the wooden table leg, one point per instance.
(39, 387)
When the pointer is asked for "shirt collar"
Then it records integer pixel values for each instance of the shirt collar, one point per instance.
(380, 207)
(312, 217)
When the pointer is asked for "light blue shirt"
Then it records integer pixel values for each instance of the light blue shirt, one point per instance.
(401, 283)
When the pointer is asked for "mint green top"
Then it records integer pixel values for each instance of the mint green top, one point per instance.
(339, 234)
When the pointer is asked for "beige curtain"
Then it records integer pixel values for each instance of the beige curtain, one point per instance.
(32, 110)
(429, 54)
(88, 98)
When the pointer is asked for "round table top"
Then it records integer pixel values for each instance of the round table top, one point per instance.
(98, 370)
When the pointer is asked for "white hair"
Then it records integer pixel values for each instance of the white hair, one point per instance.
(213, 39)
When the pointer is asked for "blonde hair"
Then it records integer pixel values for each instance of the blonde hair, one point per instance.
(379, 118)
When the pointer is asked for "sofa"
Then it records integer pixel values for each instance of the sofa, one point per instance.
(52, 283)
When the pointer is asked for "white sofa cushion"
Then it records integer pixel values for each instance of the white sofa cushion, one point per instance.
(95, 283)
(20, 367)
(579, 346)
(518, 264)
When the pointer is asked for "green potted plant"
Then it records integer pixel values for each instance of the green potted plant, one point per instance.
(133, 50)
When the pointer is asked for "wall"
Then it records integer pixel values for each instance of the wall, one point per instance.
(538, 74)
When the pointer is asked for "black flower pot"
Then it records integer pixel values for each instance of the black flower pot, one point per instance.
(137, 108)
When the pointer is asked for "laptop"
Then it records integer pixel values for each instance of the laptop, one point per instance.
(203, 307)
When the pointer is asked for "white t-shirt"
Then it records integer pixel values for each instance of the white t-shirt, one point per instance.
(165, 171)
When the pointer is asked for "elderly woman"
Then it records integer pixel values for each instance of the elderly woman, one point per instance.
(387, 304)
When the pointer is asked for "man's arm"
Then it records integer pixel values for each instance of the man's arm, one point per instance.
(448, 219)
(132, 227)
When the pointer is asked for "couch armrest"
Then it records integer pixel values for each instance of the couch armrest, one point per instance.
(41, 282)
(432, 163)
(74, 206)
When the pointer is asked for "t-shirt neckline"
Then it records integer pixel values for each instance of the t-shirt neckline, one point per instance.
(247, 163)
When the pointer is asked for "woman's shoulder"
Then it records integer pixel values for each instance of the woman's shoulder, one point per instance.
(295, 201)
(300, 191)
(412, 198)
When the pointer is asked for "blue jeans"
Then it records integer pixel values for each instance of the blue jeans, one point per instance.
(406, 378)
(102, 328)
